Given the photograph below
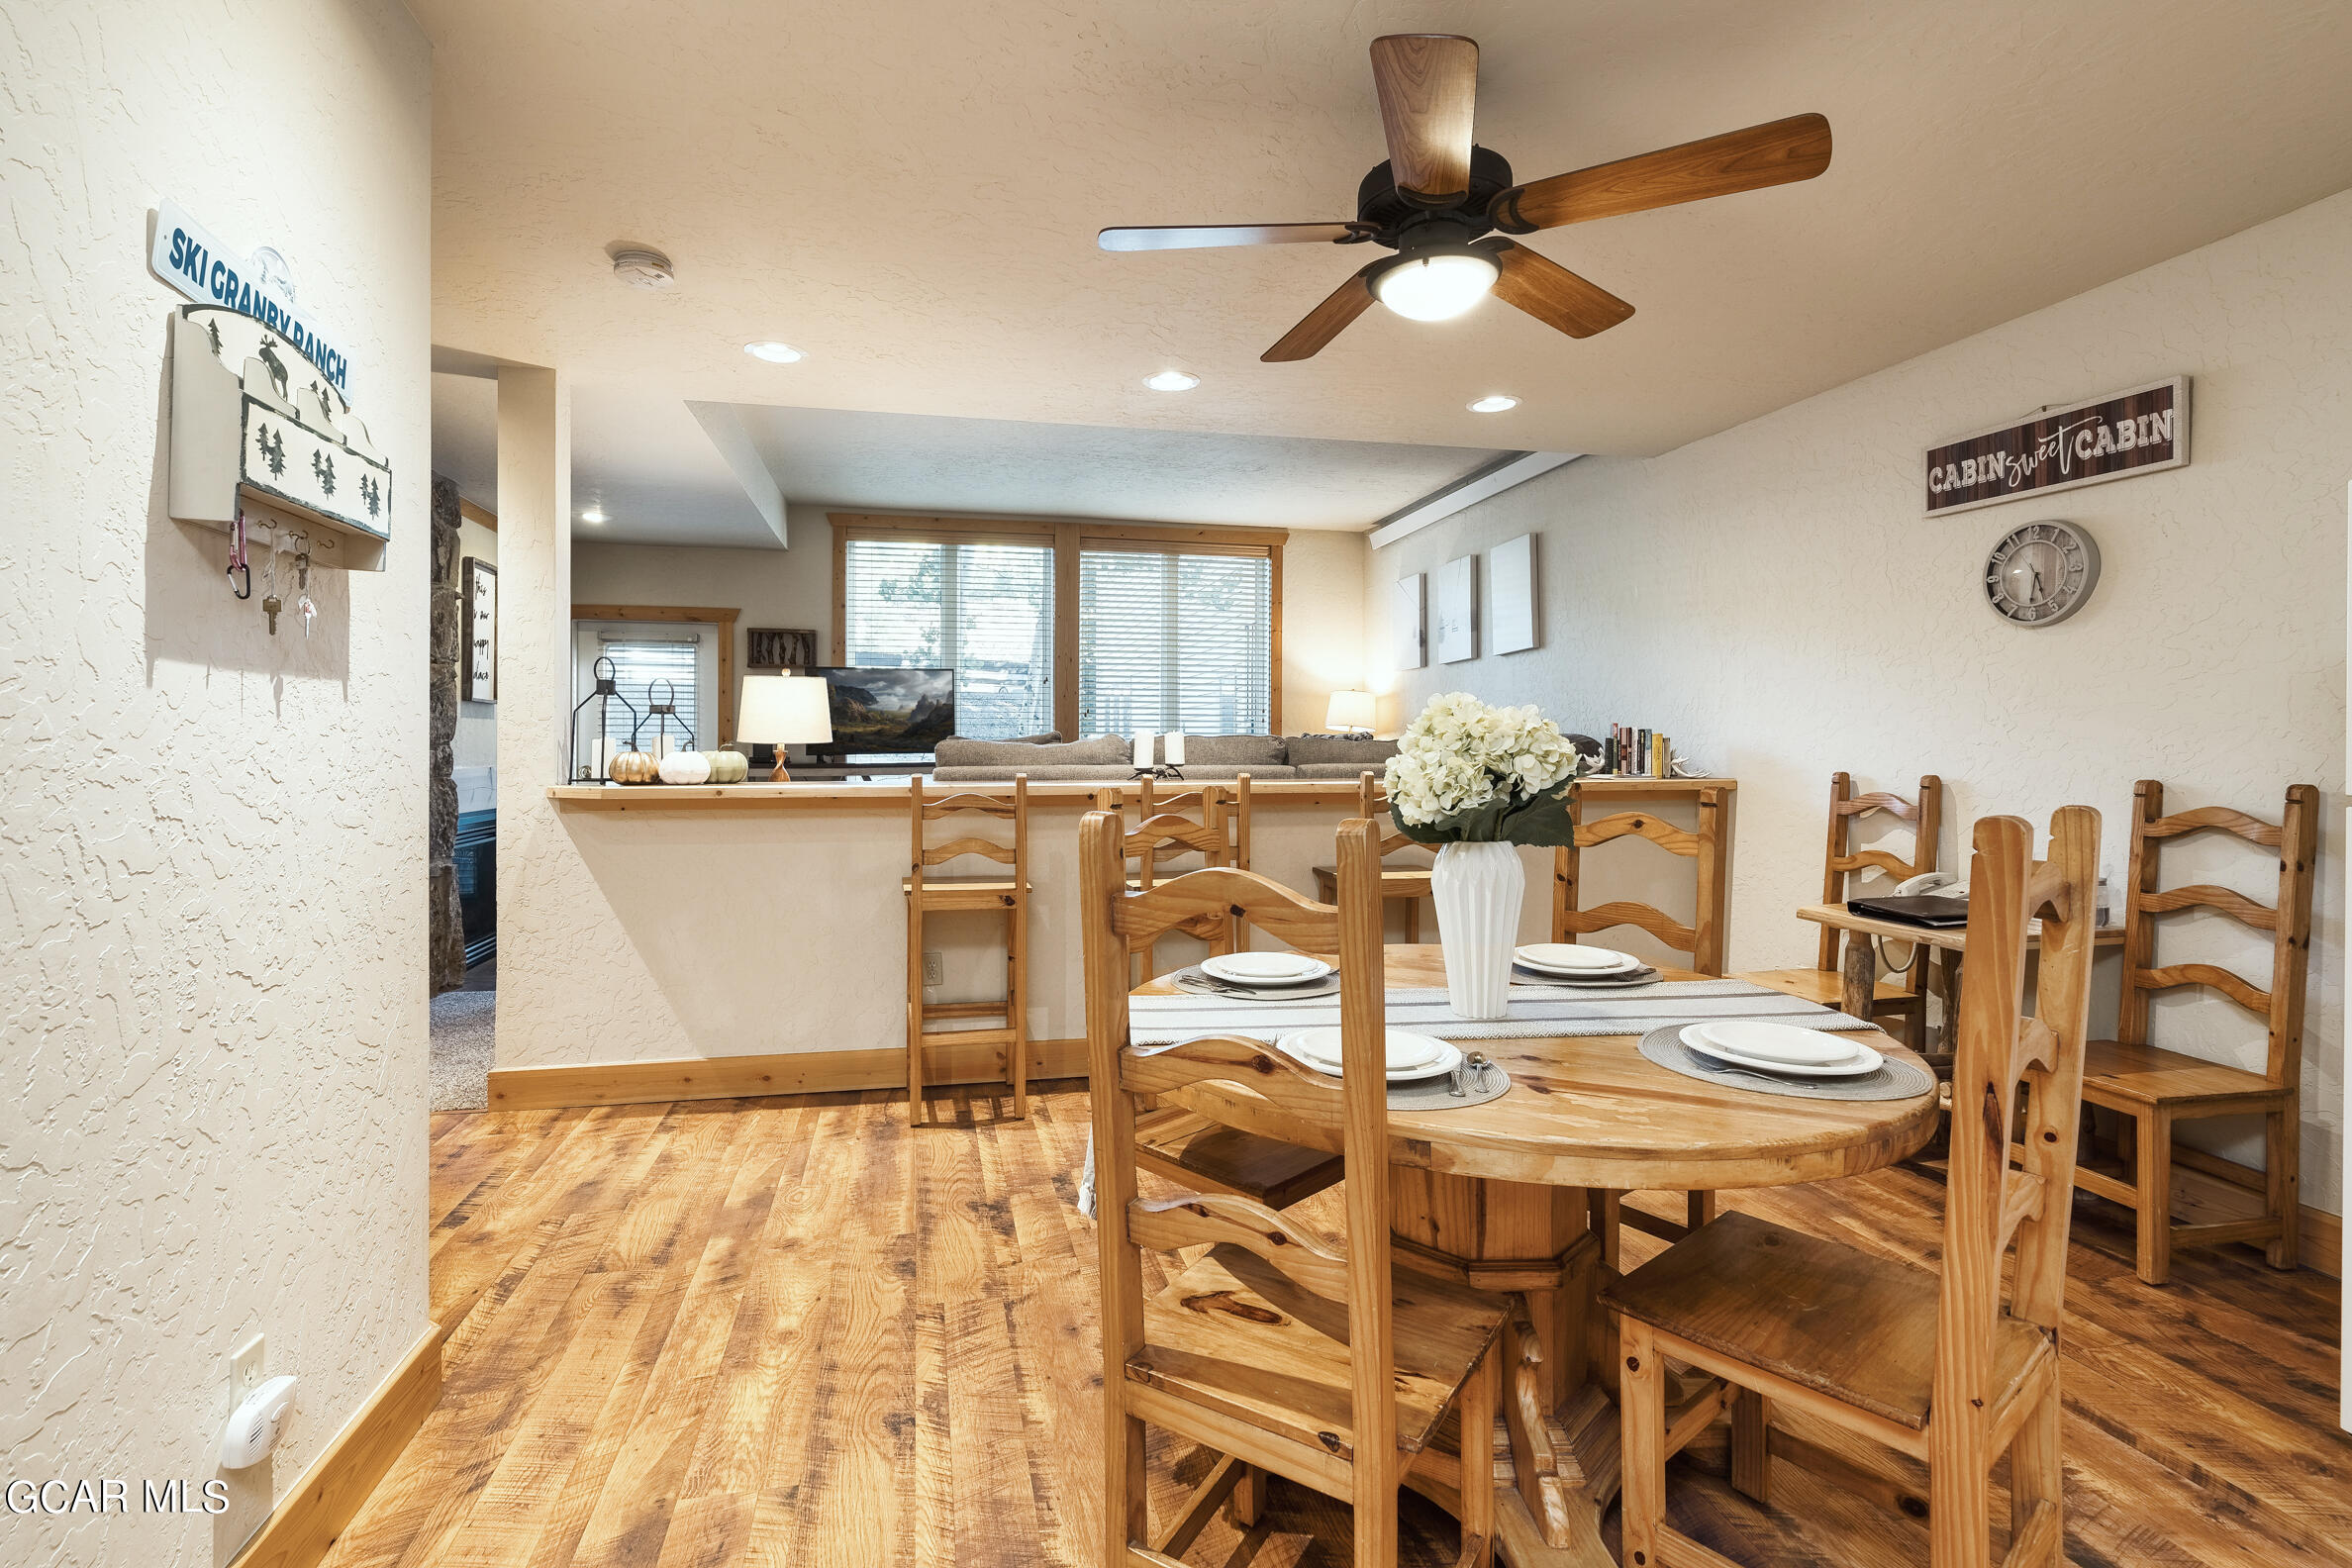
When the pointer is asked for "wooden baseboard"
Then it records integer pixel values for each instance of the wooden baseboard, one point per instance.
(736, 1077)
(307, 1520)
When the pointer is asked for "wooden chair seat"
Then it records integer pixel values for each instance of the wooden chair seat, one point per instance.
(1192, 1150)
(964, 892)
(1825, 986)
(1858, 1327)
(2116, 1074)
(1235, 1333)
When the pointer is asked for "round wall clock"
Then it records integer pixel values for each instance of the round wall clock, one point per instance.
(2039, 574)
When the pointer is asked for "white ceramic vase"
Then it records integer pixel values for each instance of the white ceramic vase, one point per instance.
(1478, 889)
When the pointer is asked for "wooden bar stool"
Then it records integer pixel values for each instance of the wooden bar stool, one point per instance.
(1278, 1352)
(1173, 1143)
(1935, 1366)
(1709, 849)
(928, 894)
(2151, 1088)
(1404, 884)
(1905, 999)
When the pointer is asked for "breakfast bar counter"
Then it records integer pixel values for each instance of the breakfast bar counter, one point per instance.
(751, 938)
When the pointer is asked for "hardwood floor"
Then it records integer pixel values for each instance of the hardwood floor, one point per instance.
(793, 1331)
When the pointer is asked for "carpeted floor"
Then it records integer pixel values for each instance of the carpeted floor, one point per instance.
(464, 1025)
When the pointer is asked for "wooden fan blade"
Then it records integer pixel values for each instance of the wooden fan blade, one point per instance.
(1324, 322)
(1777, 153)
(1428, 89)
(1551, 293)
(1201, 237)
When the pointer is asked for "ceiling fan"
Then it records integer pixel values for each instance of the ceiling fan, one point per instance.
(1439, 200)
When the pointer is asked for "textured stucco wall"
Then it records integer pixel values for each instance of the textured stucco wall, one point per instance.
(1773, 598)
(212, 933)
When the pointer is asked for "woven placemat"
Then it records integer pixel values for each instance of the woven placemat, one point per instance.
(1898, 1079)
(1436, 1092)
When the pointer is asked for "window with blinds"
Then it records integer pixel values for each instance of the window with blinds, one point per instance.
(638, 663)
(1169, 640)
(982, 610)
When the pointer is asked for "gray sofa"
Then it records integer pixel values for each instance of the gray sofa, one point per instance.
(1111, 757)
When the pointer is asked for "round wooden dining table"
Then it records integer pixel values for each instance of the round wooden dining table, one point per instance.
(1500, 1195)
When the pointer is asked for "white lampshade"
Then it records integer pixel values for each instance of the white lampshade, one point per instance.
(785, 710)
(1350, 710)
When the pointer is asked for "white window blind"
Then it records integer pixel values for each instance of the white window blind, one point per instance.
(982, 610)
(639, 662)
(1169, 640)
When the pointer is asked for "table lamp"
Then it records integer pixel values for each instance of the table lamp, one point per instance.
(785, 710)
(1350, 711)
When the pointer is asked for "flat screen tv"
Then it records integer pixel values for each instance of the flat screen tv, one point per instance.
(878, 710)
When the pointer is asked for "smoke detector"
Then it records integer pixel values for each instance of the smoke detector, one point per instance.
(643, 269)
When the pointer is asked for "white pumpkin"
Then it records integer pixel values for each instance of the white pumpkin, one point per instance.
(685, 767)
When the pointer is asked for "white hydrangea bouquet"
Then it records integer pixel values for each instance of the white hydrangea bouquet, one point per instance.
(1469, 773)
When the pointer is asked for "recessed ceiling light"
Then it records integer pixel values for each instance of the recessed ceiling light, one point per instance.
(592, 515)
(1172, 381)
(1498, 404)
(774, 353)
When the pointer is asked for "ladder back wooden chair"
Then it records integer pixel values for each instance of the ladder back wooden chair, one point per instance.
(1189, 1149)
(2151, 1088)
(1406, 884)
(1709, 849)
(1206, 820)
(1938, 1368)
(1274, 1350)
(928, 894)
(1905, 997)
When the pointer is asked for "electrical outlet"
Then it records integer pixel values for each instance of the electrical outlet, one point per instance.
(935, 966)
(244, 1369)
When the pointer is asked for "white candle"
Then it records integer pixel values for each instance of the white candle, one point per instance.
(1175, 748)
(1142, 748)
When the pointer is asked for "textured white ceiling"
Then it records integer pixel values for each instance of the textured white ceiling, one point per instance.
(646, 461)
(642, 460)
(925, 462)
(910, 192)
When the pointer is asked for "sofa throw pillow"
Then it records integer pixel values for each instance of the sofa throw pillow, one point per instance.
(1101, 751)
(1306, 750)
(1234, 750)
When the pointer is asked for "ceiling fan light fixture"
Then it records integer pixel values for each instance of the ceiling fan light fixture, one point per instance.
(1435, 284)
(1172, 381)
(1498, 402)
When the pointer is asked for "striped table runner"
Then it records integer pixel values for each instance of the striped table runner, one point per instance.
(1535, 1010)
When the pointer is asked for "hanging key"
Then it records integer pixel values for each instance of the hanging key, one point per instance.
(270, 607)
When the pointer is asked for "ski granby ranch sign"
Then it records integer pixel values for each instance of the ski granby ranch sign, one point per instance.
(2113, 437)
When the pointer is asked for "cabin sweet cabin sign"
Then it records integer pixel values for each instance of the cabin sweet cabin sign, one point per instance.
(2112, 438)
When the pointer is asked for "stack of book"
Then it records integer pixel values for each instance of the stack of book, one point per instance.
(1637, 753)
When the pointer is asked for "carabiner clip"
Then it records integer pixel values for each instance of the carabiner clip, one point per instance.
(246, 592)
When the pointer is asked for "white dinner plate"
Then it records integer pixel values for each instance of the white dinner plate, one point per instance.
(1614, 980)
(1777, 1043)
(1569, 958)
(1864, 1059)
(1411, 1055)
(1265, 969)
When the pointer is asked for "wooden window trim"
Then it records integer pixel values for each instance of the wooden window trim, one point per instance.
(680, 614)
(1067, 540)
